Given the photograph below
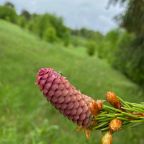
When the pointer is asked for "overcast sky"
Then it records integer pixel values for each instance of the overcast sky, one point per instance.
(92, 14)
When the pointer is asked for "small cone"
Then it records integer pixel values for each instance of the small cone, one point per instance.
(69, 101)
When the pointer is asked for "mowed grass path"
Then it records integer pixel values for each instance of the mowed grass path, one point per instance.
(25, 116)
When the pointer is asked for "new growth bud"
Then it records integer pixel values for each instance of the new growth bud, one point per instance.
(113, 100)
(115, 125)
(107, 138)
(96, 107)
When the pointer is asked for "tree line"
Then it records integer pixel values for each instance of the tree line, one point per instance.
(47, 26)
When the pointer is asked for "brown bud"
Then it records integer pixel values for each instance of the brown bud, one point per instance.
(115, 125)
(95, 106)
(107, 138)
(99, 104)
(87, 133)
(113, 100)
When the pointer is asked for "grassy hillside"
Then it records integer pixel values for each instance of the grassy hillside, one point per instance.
(25, 116)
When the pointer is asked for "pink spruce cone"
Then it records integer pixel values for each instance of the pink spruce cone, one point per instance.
(65, 97)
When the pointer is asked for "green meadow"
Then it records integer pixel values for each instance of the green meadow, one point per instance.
(25, 115)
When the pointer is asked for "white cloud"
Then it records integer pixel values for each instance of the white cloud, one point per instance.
(77, 13)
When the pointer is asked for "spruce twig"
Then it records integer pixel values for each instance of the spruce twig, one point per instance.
(87, 113)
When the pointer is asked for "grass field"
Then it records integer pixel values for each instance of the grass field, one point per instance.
(26, 117)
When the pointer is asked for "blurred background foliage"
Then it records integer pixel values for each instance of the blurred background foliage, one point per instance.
(122, 47)
(132, 54)
(92, 61)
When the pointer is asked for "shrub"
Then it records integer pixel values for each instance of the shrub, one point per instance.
(50, 34)
(91, 46)
(8, 13)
